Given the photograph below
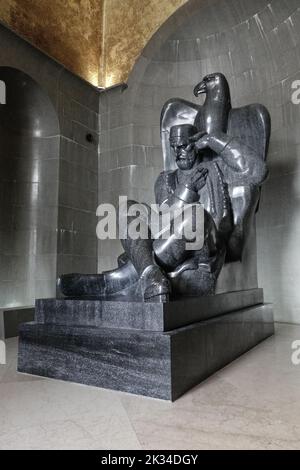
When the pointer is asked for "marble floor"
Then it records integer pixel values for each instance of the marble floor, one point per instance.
(251, 404)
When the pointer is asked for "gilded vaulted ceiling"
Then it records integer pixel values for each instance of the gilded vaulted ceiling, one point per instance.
(129, 24)
(68, 30)
(98, 40)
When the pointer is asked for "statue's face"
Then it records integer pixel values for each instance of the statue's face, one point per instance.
(185, 154)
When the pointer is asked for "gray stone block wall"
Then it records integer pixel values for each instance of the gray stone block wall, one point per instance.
(78, 176)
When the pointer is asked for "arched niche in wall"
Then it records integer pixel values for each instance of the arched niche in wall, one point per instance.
(256, 45)
(29, 155)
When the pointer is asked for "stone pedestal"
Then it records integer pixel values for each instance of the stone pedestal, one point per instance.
(11, 318)
(156, 350)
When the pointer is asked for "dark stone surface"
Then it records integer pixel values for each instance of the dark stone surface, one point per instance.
(200, 350)
(155, 364)
(141, 315)
(12, 318)
(128, 360)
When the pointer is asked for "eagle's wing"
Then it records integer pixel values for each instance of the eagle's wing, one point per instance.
(176, 111)
(252, 125)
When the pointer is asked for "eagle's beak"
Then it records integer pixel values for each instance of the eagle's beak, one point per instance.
(200, 88)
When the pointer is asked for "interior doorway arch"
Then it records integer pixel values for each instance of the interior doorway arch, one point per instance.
(29, 155)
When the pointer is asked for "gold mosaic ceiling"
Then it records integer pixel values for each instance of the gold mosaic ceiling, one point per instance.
(99, 40)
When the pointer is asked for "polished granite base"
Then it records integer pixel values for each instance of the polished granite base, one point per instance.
(143, 316)
(159, 364)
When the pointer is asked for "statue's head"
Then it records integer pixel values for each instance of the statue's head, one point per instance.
(185, 151)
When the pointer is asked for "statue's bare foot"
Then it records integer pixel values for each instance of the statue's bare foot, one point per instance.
(155, 285)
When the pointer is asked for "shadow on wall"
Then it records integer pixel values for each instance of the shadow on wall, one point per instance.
(256, 45)
(29, 152)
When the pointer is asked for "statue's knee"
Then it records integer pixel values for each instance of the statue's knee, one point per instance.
(130, 210)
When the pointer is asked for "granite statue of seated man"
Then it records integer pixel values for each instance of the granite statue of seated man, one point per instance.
(218, 164)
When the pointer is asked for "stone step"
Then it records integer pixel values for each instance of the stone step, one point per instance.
(141, 315)
(157, 364)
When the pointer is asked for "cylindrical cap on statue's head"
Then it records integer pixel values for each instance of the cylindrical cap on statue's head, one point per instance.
(182, 132)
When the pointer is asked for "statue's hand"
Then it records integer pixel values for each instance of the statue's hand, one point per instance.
(197, 180)
(201, 140)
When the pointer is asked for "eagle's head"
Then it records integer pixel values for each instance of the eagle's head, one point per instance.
(215, 86)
